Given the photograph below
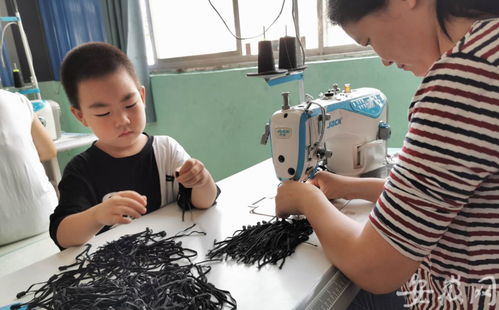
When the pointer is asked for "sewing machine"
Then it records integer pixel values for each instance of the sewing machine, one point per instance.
(344, 131)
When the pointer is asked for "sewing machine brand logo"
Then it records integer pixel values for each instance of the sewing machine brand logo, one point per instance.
(283, 132)
(334, 122)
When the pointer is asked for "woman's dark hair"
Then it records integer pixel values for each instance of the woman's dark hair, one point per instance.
(89, 61)
(342, 12)
(347, 11)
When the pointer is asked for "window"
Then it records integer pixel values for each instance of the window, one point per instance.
(193, 34)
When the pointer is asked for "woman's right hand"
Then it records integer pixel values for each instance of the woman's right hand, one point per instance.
(120, 208)
(336, 186)
(333, 186)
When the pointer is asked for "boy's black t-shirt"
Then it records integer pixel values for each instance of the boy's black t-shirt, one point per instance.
(92, 174)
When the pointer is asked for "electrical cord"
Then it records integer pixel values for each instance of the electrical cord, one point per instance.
(295, 22)
(323, 123)
(247, 38)
(1, 41)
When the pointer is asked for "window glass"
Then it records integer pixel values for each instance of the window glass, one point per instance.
(254, 15)
(191, 27)
(309, 23)
(185, 28)
(257, 14)
(334, 34)
(147, 33)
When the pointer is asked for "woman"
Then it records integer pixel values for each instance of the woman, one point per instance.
(27, 198)
(434, 232)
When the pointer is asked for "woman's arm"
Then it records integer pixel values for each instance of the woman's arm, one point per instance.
(43, 143)
(337, 186)
(357, 250)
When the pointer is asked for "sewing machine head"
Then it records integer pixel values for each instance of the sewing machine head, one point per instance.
(346, 131)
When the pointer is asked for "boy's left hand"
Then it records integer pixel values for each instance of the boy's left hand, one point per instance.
(193, 174)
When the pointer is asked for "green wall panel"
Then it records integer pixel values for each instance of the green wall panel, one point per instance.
(53, 90)
(219, 116)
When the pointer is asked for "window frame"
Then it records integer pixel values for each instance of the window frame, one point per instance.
(235, 59)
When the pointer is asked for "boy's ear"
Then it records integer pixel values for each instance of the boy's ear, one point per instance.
(79, 116)
(142, 91)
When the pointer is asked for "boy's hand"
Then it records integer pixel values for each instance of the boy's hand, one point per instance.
(120, 207)
(193, 174)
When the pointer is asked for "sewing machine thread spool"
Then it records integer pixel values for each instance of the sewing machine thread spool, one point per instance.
(287, 53)
(265, 57)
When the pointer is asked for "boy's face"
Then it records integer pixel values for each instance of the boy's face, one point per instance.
(113, 108)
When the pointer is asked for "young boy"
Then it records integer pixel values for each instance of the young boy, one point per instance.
(125, 173)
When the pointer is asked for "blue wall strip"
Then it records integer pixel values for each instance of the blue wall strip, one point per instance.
(9, 19)
(285, 79)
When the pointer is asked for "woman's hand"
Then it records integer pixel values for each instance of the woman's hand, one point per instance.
(295, 197)
(334, 186)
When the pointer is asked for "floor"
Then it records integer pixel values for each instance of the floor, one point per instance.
(25, 252)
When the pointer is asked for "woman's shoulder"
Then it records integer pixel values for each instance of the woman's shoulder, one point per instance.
(480, 44)
(467, 76)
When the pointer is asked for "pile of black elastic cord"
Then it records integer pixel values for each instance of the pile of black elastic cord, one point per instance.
(263, 243)
(139, 271)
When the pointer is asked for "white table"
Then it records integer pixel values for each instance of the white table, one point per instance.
(67, 141)
(307, 279)
(71, 140)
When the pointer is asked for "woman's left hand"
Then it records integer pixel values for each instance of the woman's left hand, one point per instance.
(294, 197)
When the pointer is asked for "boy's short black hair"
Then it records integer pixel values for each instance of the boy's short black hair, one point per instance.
(89, 61)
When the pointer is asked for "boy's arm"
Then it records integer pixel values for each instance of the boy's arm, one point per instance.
(43, 143)
(78, 228)
(204, 196)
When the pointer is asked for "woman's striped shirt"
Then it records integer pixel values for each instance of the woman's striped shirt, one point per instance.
(440, 205)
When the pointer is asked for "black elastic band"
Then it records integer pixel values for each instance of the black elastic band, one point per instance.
(264, 243)
(140, 271)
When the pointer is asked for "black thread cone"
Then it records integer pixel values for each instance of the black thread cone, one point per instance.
(265, 57)
(287, 53)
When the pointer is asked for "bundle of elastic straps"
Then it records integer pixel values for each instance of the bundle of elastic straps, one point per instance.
(147, 270)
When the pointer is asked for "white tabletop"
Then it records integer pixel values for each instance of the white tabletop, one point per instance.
(291, 287)
(71, 140)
